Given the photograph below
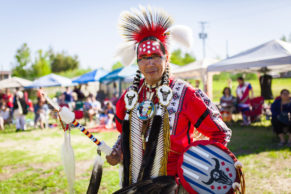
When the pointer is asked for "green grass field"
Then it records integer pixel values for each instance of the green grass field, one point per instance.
(30, 161)
(277, 86)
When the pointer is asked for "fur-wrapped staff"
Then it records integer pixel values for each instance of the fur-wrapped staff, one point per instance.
(68, 117)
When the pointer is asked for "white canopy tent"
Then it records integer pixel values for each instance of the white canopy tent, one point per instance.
(196, 70)
(193, 70)
(275, 55)
(14, 82)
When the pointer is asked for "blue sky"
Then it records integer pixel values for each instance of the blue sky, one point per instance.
(88, 28)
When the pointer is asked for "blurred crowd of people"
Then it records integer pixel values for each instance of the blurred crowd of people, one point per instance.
(14, 105)
(98, 109)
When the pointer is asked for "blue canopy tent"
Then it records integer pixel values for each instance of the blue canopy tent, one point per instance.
(50, 80)
(113, 76)
(92, 76)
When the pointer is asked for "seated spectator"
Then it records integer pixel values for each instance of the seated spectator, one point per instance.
(68, 98)
(96, 107)
(108, 115)
(227, 104)
(88, 110)
(281, 116)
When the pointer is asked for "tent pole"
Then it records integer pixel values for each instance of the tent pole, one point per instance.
(120, 88)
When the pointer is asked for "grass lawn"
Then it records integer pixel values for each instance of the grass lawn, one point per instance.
(277, 86)
(30, 161)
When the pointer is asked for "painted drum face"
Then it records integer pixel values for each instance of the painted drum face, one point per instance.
(207, 169)
(146, 110)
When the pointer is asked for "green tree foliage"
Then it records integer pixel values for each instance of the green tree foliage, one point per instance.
(284, 38)
(179, 59)
(116, 65)
(41, 66)
(74, 73)
(62, 62)
(23, 60)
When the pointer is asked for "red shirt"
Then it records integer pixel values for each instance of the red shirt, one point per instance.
(192, 112)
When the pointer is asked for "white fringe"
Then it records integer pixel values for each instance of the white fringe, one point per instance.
(68, 159)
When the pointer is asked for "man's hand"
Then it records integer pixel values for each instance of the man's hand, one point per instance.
(115, 157)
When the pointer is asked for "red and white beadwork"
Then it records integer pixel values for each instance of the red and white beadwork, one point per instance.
(149, 47)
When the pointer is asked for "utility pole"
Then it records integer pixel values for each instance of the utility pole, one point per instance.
(203, 36)
(226, 48)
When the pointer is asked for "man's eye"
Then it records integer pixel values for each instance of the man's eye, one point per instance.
(156, 57)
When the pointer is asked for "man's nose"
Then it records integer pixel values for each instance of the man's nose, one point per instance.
(150, 61)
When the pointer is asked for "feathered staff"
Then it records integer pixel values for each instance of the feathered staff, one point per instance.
(68, 117)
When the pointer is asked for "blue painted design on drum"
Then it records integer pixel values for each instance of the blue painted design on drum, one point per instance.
(193, 168)
(198, 185)
(214, 153)
(198, 157)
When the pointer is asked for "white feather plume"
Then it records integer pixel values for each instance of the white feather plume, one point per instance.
(182, 34)
(68, 158)
(127, 54)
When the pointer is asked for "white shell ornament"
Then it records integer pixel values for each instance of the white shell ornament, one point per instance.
(130, 99)
(146, 110)
(165, 95)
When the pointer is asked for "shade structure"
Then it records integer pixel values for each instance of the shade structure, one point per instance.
(14, 82)
(51, 80)
(92, 76)
(274, 55)
(193, 70)
(112, 76)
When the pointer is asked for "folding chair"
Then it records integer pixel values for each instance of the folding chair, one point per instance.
(256, 108)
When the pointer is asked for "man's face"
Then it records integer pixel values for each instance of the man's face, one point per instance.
(151, 61)
(240, 82)
(152, 67)
(285, 95)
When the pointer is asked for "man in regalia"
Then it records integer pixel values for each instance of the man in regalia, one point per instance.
(149, 146)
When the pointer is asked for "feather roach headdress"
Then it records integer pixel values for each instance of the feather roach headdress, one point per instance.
(142, 23)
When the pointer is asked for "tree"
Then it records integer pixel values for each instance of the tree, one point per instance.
(116, 65)
(61, 62)
(283, 38)
(41, 65)
(23, 60)
(178, 59)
